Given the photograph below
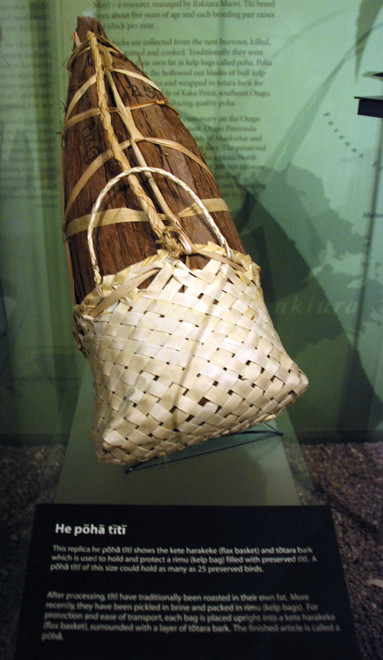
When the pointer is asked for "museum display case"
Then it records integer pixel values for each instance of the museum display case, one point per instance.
(270, 92)
(275, 115)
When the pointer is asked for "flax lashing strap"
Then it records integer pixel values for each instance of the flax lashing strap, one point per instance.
(168, 307)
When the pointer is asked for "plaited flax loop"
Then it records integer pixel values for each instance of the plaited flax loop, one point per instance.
(182, 245)
(192, 356)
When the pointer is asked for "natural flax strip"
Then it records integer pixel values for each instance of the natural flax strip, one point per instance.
(93, 112)
(102, 158)
(159, 139)
(112, 216)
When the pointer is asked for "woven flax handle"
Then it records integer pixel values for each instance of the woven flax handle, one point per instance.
(188, 247)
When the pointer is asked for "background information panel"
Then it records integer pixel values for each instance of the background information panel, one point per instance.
(267, 89)
(204, 582)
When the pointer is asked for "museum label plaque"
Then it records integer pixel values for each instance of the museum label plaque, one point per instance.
(201, 582)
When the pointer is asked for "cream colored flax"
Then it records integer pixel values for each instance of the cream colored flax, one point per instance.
(121, 215)
(193, 356)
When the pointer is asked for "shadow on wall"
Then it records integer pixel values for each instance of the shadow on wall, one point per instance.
(314, 304)
(368, 13)
(316, 308)
(318, 332)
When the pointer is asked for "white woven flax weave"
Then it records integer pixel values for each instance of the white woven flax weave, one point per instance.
(192, 356)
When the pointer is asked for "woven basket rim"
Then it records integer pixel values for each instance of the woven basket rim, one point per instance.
(247, 267)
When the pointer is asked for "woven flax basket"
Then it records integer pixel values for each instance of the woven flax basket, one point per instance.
(192, 356)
